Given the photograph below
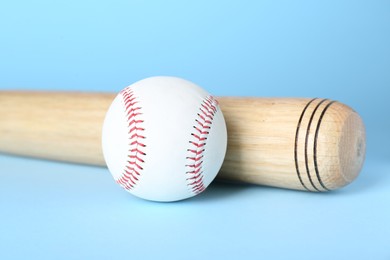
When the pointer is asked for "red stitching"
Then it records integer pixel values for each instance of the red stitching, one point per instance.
(212, 103)
(133, 167)
(202, 126)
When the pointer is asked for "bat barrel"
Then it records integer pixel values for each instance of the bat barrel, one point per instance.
(296, 143)
(305, 144)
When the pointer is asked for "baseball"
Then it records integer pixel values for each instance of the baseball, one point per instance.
(164, 139)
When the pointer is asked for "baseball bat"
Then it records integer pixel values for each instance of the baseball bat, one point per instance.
(296, 143)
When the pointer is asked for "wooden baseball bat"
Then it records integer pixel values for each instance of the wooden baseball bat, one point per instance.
(296, 143)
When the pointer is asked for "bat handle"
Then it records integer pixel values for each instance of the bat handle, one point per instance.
(62, 126)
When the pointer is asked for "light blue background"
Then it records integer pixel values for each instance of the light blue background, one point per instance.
(334, 49)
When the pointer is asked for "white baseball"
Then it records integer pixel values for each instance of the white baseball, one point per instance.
(164, 139)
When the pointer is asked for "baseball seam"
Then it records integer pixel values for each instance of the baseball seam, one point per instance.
(133, 167)
(202, 127)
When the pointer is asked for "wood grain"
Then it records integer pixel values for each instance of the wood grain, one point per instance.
(57, 126)
(305, 144)
(296, 143)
